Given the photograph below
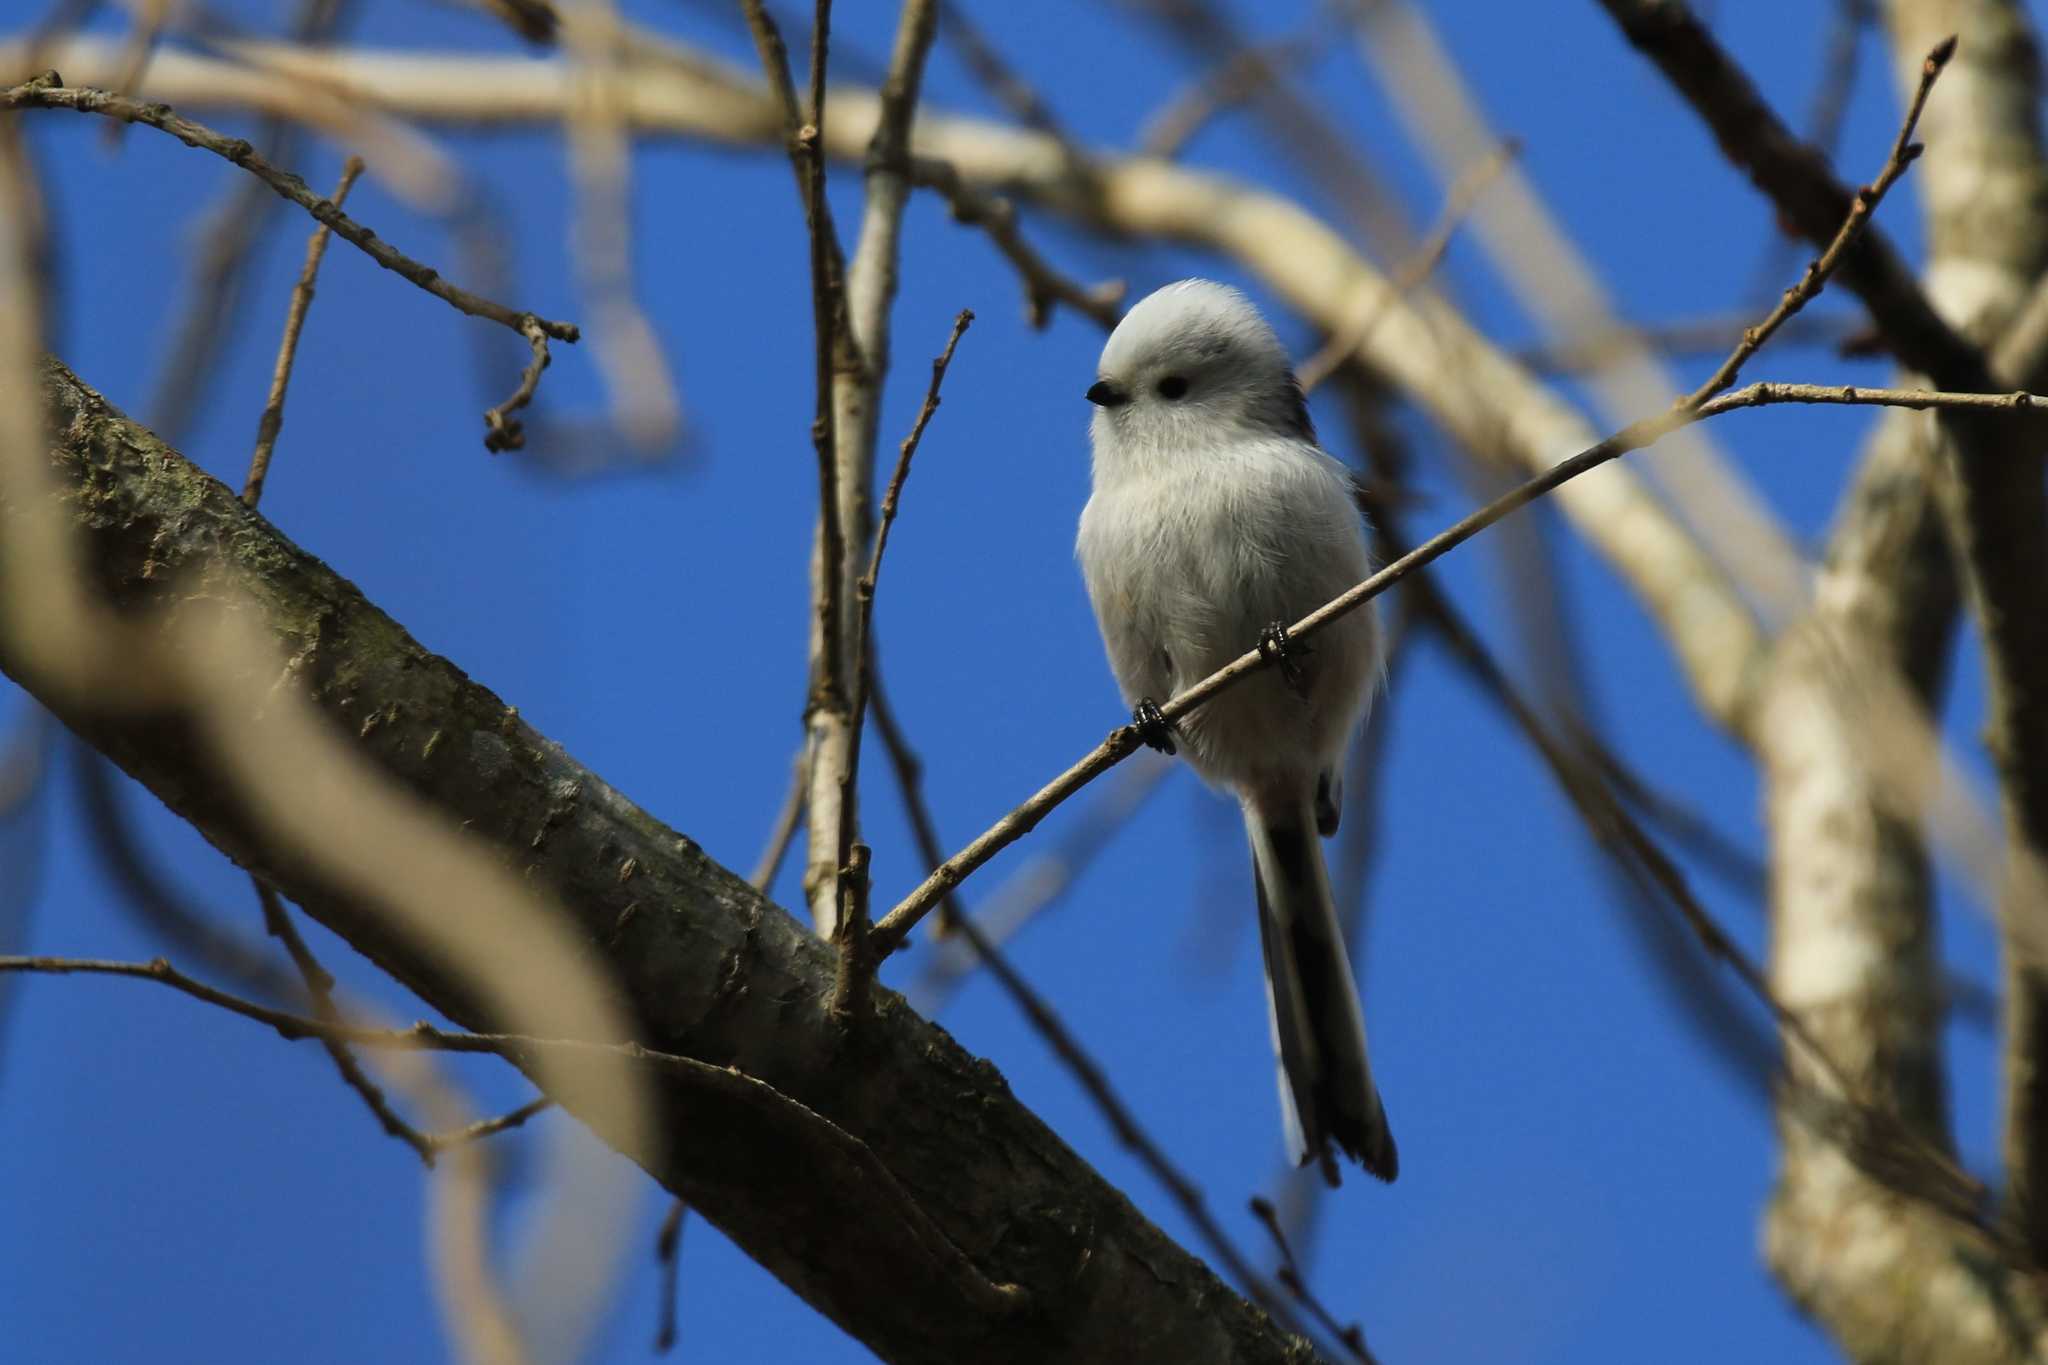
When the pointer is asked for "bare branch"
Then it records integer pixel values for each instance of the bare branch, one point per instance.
(1798, 180)
(1419, 266)
(702, 966)
(231, 230)
(503, 431)
(491, 1127)
(857, 965)
(320, 991)
(1292, 1279)
(1460, 379)
(783, 832)
(272, 420)
(48, 92)
(1123, 741)
(997, 1298)
(1044, 286)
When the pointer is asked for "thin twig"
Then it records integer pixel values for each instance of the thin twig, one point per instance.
(856, 965)
(1037, 884)
(151, 897)
(47, 91)
(1904, 152)
(988, 65)
(864, 590)
(909, 771)
(232, 228)
(1419, 266)
(491, 1127)
(277, 921)
(272, 420)
(828, 265)
(825, 707)
(1044, 286)
(320, 993)
(668, 1248)
(524, 1049)
(503, 431)
(296, 1027)
(1295, 1283)
(1245, 73)
(1121, 742)
(1825, 114)
(783, 832)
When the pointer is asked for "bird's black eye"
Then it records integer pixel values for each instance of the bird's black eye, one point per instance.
(1173, 386)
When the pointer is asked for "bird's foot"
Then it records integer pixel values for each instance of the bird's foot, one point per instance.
(1276, 646)
(1153, 728)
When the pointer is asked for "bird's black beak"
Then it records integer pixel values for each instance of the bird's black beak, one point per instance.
(1104, 394)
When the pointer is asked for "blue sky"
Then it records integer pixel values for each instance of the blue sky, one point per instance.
(1580, 1181)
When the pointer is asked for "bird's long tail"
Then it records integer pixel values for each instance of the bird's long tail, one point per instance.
(1326, 1089)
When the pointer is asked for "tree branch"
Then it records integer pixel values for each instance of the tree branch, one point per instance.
(706, 968)
(47, 91)
(1477, 393)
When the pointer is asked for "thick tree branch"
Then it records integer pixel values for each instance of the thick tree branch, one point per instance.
(706, 968)
(1988, 226)
(1852, 941)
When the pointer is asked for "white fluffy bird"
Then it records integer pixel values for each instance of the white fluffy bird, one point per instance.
(1214, 521)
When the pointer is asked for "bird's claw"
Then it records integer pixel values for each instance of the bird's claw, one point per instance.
(1276, 646)
(1154, 730)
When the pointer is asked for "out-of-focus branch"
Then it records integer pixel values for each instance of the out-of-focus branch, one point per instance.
(1038, 882)
(1475, 392)
(1826, 112)
(1989, 217)
(978, 1192)
(232, 229)
(1540, 263)
(1293, 126)
(149, 895)
(1169, 128)
(1799, 182)
(1419, 266)
(1852, 943)
(1688, 338)
(320, 992)
(1010, 89)
(668, 1256)
(641, 389)
(1995, 509)
(1044, 285)
(48, 92)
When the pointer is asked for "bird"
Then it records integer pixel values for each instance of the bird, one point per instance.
(1214, 518)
